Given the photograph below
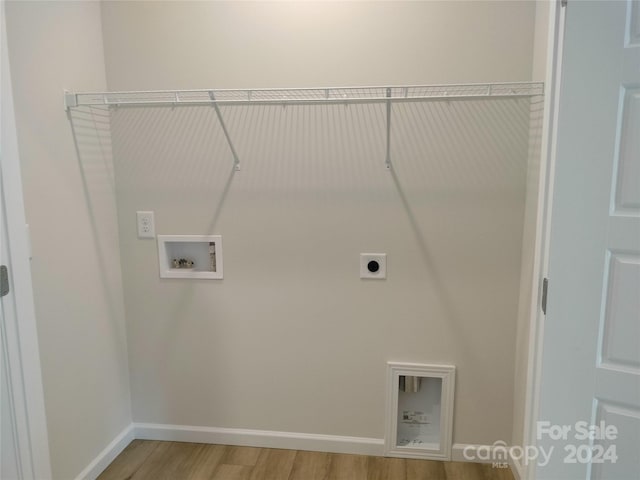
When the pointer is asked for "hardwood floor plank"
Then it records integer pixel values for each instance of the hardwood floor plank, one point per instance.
(310, 466)
(425, 470)
(206, 461)
(153, 461)
(273, 464)
(241, 456)
(150, 460)
(466, 471)
(129, 461)
(381, 468)
(476, 471)
(232, 472)
(169, 461)
(491, 473)
(348, 467)
(455, 471)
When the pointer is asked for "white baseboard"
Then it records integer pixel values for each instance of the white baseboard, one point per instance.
(498, 453)
(106, 456)
(464, 452)
(272, 439)
(260, 438)
(517, 469)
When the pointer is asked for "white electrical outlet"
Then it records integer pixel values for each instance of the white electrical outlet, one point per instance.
(373, 265)
(146, 225)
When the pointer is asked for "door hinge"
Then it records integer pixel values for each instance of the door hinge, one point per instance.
(545, 288)
(563, 3)
(4, 280)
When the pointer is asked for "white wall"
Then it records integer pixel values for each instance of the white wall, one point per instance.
(292, 339)
(156, 45)
(70, 207)
(541, 40)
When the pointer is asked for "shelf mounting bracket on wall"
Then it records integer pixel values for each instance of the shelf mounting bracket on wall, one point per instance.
(388, 157)
(236, 160)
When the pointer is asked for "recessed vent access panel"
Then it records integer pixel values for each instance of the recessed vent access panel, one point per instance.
(420, 410)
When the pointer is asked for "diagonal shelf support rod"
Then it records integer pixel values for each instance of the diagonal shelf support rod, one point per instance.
(387, 161)
(236, 160)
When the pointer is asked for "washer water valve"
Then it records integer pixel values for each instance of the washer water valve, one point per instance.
(182, 263)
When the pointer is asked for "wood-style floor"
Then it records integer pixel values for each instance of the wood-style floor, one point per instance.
(151, 460)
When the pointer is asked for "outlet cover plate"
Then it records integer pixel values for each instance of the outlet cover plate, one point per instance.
(146, 224)
(373, 265)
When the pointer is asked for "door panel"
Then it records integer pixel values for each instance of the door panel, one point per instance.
(591, 346)
(617, 386)
(24, 440)
(627, 190)
(627, 421)
(633, 25)
(10, 467)
(619, 337)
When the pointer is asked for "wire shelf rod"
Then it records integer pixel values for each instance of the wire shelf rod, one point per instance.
(306, 96)
(388, 156)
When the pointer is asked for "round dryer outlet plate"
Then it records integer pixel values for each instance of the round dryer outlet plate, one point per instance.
(373, 265)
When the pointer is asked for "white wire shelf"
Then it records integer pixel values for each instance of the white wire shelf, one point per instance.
(306, 96)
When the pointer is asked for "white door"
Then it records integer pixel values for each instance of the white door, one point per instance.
(591, 344)
(10, 465)
(24, 449)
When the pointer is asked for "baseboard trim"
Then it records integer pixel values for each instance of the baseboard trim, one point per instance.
(516, 468)
(106, 456)
(460, 452)
(465, 452)
(498, 454)
(260, 438)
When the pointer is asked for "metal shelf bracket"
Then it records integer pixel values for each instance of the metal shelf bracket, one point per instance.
(70, 100)
(236, 160)
(388, 157)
